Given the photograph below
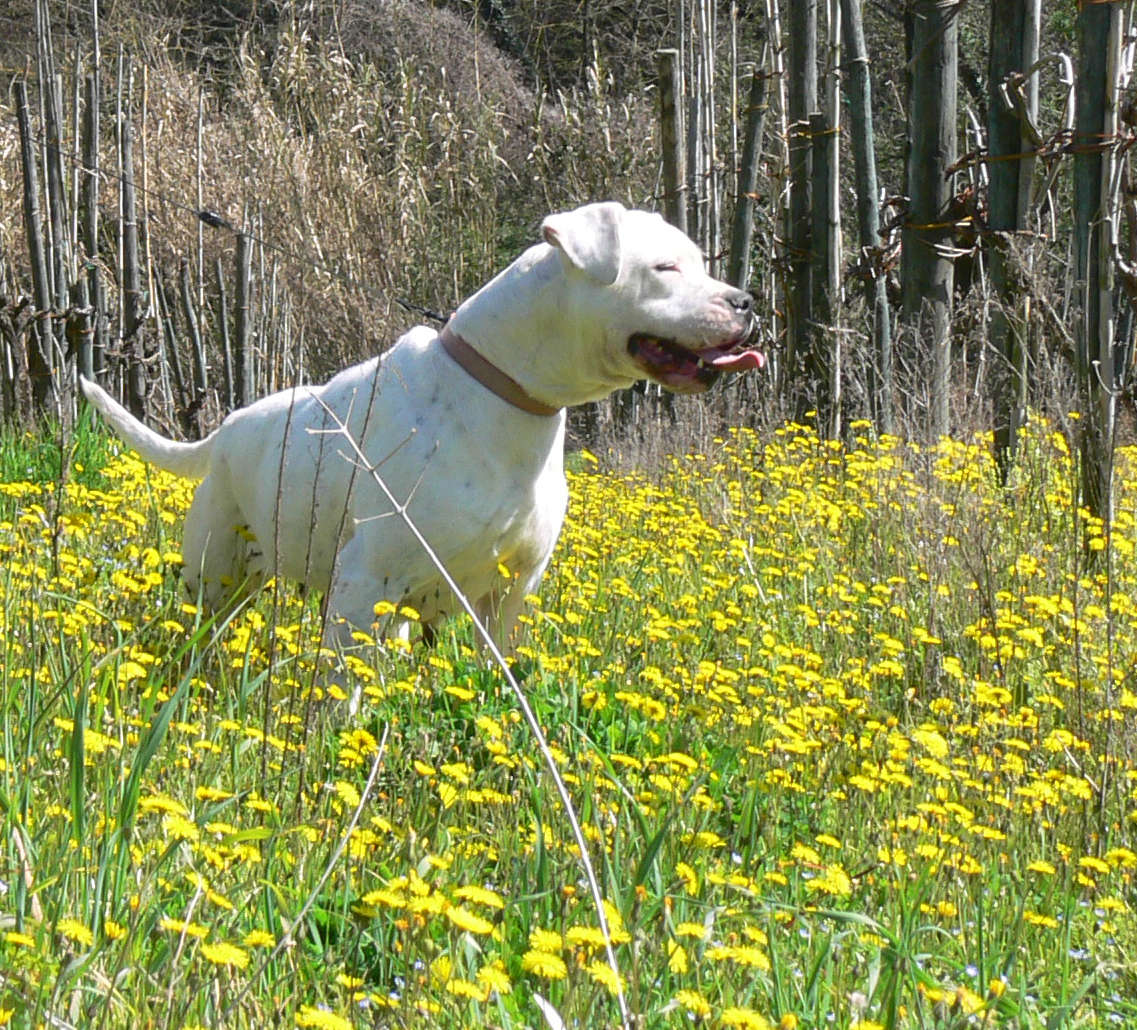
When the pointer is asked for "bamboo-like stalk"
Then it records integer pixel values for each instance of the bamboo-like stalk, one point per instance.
(200, 200)
(173, 362)
(93, 362)
(42, 340)
(55, 181)
(197, 347)
(131, 269)
(243, 364)
(223, 324)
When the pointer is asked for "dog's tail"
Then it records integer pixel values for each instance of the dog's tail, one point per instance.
(188, 460)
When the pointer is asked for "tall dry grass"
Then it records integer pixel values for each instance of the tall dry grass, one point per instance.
(389, 152)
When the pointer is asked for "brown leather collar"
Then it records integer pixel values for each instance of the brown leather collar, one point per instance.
(490, 376)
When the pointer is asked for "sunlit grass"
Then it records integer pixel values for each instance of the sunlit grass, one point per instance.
(851, 732)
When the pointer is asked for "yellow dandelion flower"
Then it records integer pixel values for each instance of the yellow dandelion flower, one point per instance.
(833, 880)
(603, 974)
(179, 926)
(541, 963)
(745, 1018)
(223, 954)
(693, 1002)
(1094, 864)
(545, 940)
(480, 896)
(464, 919)
(494, 977)
(75, 931)
(466, 989)
(259, 939)
(114, 931)
(212, 794)
(440, 969)
(21, 940)
(321, 1019)
(696, 930)
(162, 803)
(744, 955)
(179, 828)
(689, 877)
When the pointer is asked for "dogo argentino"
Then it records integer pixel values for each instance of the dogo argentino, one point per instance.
(466, 427)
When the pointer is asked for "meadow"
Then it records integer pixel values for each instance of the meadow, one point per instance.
(850, 729)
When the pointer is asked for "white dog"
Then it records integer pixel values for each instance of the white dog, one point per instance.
(466, 428)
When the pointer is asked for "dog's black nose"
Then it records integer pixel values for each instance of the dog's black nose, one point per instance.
(741, 301)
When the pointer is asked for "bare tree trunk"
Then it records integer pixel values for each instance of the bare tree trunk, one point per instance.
(1014, 48)
(927, 272)
(1099, 42)
(858, 87)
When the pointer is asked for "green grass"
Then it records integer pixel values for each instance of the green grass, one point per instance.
(851, 734)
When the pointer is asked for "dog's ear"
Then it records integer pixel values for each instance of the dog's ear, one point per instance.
(589, 238)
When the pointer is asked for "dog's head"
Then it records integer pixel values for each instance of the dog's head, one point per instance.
(660, 314)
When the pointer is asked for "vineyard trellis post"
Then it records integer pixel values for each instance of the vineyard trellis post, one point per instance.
(858, 88)
(1014, 49)
(1099, 49)
(927, 269)
(42, 349)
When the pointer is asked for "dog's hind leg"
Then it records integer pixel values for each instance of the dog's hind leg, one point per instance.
(215, 545)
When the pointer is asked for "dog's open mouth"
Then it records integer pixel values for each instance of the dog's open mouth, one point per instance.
(689, 371)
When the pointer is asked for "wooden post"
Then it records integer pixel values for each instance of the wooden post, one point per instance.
(1014, 46)
(41, 351)
(799, 287)
(92, 355)
(825, 259)
(671, 132)
(1099, 34)
(928, 274)
(858, 88)
(738, 271)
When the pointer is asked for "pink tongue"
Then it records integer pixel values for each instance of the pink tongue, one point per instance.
(740, 362)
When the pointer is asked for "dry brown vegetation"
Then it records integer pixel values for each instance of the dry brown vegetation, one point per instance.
(388, 151)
